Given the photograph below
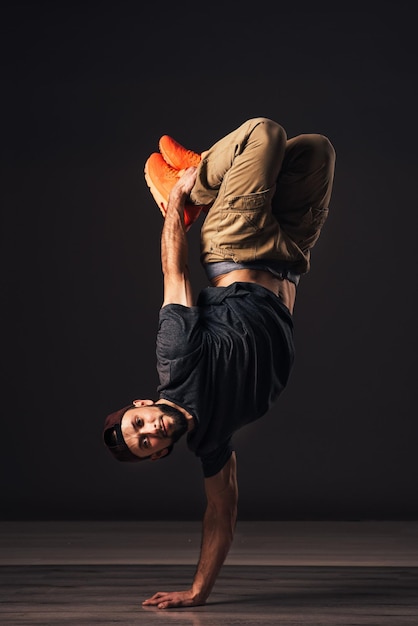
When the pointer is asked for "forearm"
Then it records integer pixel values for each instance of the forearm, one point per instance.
(218, 531)
(217, 537)
(174, 253)
(174, 248)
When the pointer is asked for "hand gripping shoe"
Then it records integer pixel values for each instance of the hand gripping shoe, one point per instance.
(161, 178)
(179, 157)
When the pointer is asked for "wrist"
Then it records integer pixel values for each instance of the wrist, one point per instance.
(198, 597)
(177, 194)
(201, 587)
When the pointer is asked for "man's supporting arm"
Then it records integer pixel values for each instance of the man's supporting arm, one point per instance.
(218, 527)
(218, 532)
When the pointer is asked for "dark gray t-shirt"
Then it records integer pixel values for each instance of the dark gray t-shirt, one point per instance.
(225, 360)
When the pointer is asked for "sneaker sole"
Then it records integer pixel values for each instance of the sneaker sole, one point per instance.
(158, 197)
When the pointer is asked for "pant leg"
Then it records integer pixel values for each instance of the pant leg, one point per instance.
(238, 175)
(270, 196)
(303, 193)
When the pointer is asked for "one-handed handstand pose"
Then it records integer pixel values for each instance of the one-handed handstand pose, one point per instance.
(224, 360)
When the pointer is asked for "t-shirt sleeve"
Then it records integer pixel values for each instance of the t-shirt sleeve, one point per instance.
(213, 462)
(179, 331)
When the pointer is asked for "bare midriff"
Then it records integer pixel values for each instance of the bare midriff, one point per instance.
(285, 289)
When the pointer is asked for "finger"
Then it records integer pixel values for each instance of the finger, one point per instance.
(168, 605)
(152, 601)
(163, 605)
(155, 598)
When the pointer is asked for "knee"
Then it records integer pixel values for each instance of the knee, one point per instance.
(275, 130)
(326, 148)
(321, 147)
(271, 131)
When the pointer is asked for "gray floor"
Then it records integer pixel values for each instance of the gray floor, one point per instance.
(318, 573)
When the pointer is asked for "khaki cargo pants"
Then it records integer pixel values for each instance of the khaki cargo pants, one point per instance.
(270, 195)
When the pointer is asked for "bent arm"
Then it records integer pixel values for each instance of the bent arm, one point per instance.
(174, 247)
(218, 532)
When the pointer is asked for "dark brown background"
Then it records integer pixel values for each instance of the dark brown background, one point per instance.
(87, 91)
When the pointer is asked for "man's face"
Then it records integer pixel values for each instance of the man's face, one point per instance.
(147, 431)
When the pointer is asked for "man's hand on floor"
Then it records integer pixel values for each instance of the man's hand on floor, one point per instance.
(167, 600)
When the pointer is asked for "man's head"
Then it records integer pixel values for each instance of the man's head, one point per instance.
(143, 430)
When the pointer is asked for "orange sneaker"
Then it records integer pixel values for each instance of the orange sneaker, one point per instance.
(176, 155)
(161, 178)
(179, 157)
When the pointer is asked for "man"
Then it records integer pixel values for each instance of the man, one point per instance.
(223, 361)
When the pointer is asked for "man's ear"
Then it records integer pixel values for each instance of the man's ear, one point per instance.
(142, 402)
(159, 455)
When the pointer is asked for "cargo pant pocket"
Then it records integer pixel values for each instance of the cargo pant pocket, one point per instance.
(243, 225)
(306, 232)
